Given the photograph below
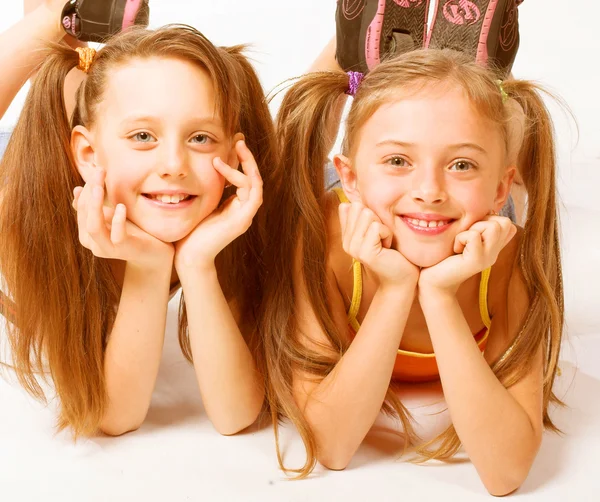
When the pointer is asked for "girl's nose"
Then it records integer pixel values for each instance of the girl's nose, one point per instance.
(429, 186)
(174, 161)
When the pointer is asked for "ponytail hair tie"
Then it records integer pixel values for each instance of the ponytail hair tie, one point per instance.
(354, 80)
(505, 95)
(86, 58)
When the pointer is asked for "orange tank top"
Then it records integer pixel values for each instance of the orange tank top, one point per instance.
(415, 366)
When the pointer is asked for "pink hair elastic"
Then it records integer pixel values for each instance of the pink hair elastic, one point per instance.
(354, 80)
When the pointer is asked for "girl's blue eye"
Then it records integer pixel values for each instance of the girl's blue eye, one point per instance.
(143, 137)
(397, 162)
(200, 139)
(461, 166)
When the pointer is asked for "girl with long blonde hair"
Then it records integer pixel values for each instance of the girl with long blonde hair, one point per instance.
(159, 118)
(406, 273)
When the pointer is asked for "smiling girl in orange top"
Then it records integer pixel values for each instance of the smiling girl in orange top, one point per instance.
(407, 273)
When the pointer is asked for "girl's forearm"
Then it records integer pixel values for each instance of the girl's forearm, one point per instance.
(231, 385)
(344, 406)
(22, 49)
(134, 348)
(496, 431)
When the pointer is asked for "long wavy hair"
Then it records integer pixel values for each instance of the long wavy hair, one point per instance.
(61, 300)
(304, 136)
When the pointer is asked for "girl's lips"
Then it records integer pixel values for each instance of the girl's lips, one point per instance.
(418, 227)
(169, 205)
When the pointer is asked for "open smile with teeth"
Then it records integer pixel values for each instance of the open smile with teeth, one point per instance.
(169, 199)
(428, 224)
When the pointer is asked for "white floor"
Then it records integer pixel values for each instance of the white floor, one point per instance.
(177, 455)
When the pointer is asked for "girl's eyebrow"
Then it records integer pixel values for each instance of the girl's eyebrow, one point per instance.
(472, 146)
(201, 120)
(453, 147)
(394, 142)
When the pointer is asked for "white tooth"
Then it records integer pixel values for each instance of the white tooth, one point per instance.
(423, 223)
(433, 224)
(165, 198)
(440, 223)
(174, 199)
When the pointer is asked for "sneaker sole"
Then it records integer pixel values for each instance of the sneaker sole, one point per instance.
(371, 30)
(486, 29)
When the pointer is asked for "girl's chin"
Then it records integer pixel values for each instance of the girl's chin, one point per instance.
(171, 235)
(423, 259)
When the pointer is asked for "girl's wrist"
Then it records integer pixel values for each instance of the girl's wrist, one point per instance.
(398, 291)
(143, 273)
(156, 261)
(199, 266)
(198, 277)
(432, 296)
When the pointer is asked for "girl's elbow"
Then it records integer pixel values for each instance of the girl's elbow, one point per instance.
(118, 429)
(502, 488)
(232, 427)
(335, 459)
(505, 482)
(118, 423)
(229, 425)
(334, 463)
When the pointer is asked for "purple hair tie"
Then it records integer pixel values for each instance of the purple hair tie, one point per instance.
(355, 78)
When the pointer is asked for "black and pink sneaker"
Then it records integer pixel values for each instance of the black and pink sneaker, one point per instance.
(97, 20)
(488, 30)
(367, 31)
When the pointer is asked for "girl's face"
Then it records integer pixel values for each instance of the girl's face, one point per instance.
(429, 166)
(156, 134)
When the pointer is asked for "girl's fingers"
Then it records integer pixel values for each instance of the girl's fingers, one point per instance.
(359, 235)
(76, 193)
(495, 230)
(246, 158)
(353, 216)
(96, 224)
(375, 235)
(467, 239)
(386, 237)
(344, 210)
(232, 175)
(117, 230)
(255, 193)
(82, 224)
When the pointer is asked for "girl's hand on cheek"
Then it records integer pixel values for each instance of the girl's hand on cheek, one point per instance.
(368, 241)
(230, 220)
(476, 250)
(107, 232)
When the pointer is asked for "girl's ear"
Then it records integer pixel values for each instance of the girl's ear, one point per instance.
(503, 190)
(232, 159)
(83, 152)
(347, 176)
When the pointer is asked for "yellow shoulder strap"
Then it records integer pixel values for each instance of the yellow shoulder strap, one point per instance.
(483, 294)
(341, 195)
(356, 295)
(357, 272)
